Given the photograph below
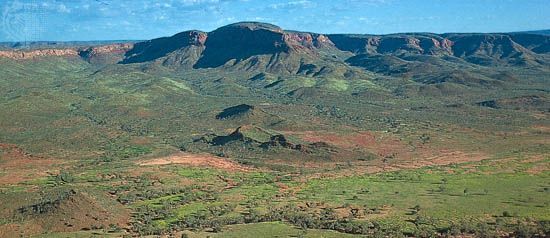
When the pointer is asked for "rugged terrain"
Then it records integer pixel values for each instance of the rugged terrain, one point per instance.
(251, 129)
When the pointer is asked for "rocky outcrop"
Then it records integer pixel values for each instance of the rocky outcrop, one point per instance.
(188, 42)
(492, 45)
(300, 40)
(239, 42)
(105, 49)
(264, 139)
(393, 44)
(235, 111)
(32, 54)
(484, 49)
(105, 54)
(529, 102)
(87, 52)
(253, 46)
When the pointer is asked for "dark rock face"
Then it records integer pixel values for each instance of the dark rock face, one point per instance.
(281, 141)
(239, 42)
(273, 141)
(106, 54)
(539, 44)
(386, 64)
(494, 45)
(242, 41)
(157, 48)
(244, 46)
(237, 135)
(234, 111)
(488, 103)
(352, 43)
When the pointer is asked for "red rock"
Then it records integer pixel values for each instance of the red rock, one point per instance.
(68, 52)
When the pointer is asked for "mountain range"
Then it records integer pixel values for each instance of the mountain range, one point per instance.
(261, 47)
(246, 40)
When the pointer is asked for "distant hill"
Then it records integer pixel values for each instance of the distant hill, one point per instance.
(265, 47)
(59, 44)
(254, 48)
(539, 32)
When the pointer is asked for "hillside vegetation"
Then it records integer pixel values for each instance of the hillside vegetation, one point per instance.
(251, 129)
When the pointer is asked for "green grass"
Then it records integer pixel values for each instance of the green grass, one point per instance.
(83, 234)
(100, 122)
(270, 229)
(333, 85)
(442, 195)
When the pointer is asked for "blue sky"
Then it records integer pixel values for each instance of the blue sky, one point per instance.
(144, 19)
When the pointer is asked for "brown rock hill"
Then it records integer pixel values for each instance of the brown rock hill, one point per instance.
(182, 48)
(519, 49)
(32, 54)
(259, 46)
(87, 53)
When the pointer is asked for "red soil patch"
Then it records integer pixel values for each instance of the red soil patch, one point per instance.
(443, 158)
(539, 164)
(198, 160)
(538, 169)
(383, 145)
(542, 128)
(394, 154)
(372, 167)
(363, 139)
(17, 166)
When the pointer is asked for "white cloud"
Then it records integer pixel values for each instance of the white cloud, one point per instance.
(61, 8)
(293, 4)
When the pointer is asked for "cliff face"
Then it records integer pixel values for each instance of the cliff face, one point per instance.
(239, 42)
(157, 48)
(517, 48)
(24, 55)
(105, 54)
(107, 49)
(88, 53)
(258, 46)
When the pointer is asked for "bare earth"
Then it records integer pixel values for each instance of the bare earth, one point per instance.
(17, 166)
(197, 160)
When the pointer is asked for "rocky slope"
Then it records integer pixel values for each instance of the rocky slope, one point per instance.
(261, 47)
(187, 42)
(481, 49)
(258, 46)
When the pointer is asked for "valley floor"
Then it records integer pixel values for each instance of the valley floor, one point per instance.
(146, 150)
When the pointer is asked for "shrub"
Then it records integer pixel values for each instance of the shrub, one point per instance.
(65, 177)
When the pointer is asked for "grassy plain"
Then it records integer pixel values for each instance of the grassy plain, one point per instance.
(74, 135)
